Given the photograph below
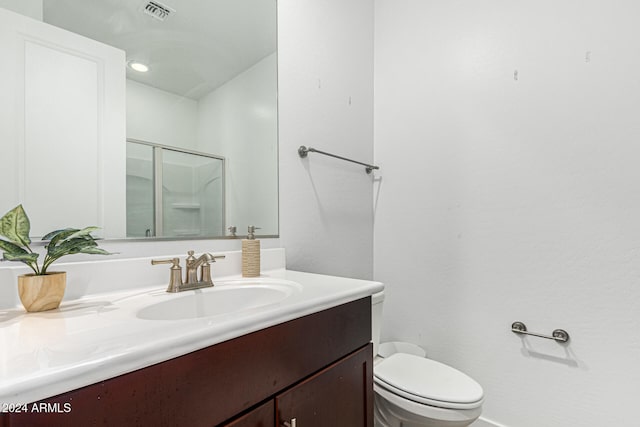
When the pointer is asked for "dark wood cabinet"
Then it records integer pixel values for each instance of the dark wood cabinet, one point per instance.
(262, 416)
(337, 396)
(292, 369)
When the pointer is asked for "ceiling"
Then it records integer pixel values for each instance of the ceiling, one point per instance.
(198, 47)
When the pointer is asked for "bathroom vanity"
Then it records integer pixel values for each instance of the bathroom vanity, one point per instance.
(316, 369)
(310, 366)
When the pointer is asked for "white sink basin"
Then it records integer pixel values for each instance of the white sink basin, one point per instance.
(223, 298)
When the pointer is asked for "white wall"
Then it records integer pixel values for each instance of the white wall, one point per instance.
(161, 117)
(30, 8)
(506, 199)
(238, 120)
(325, 58)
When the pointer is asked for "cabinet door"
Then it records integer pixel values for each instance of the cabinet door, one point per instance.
(262, 416)
(339, 396)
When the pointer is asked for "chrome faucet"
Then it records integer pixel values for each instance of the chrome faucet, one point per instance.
(193, 280)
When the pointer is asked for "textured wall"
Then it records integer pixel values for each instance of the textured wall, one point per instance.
(325, 58)
(507, 133)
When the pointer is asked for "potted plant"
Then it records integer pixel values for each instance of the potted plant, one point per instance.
(43, 289)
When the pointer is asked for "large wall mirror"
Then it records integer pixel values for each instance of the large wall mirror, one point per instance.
(151, 119)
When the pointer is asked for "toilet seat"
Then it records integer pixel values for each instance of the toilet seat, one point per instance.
(391, 406)
(427, 382)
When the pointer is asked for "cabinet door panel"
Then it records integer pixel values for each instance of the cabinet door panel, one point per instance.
(262, 416)
(339, 396)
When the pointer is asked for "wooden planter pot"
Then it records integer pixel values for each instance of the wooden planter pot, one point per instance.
(42, 293)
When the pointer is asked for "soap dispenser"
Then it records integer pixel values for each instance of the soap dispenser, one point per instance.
(251, 254)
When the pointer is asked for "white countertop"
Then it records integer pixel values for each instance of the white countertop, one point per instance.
(94, 338)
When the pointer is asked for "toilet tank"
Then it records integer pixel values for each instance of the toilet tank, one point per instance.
(376, 320)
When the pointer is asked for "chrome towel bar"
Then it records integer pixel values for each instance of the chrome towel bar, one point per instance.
(559, 335)
(304, 151)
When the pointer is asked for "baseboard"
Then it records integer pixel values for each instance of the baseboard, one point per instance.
(483, 422)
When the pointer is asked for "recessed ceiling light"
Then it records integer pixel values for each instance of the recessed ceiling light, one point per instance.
(138, 66)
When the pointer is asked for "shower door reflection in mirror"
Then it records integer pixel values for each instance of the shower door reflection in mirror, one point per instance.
(173, 193)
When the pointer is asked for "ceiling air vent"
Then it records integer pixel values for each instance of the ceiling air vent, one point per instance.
(158, 10)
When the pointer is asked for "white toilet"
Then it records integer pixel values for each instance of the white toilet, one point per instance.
(413, 391)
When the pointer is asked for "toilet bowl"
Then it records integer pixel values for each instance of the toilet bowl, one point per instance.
(411, 390)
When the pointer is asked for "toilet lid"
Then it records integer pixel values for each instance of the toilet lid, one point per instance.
(427, 381)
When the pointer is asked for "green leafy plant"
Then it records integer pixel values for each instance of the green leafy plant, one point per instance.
(15, 227)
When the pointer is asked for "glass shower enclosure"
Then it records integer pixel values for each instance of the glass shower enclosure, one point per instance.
(172, 192)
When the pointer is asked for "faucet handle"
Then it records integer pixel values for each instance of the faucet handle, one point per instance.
(175, 280)
(174, 261)
(205, 270)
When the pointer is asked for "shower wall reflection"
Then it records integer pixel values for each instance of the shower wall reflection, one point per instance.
(173, 193)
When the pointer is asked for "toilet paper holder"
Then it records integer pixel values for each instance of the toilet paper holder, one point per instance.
(559, 335)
